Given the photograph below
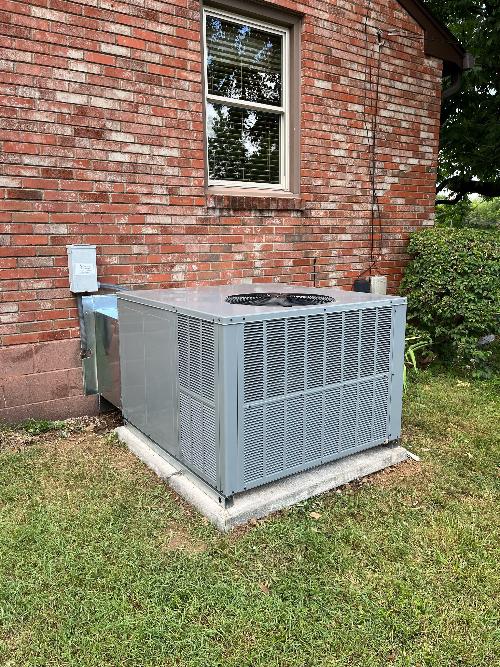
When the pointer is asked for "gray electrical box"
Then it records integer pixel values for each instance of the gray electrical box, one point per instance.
(82, 268)
(243, 395)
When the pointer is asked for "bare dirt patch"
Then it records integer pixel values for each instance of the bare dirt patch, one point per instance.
(17, 437)
(178, 539)
(14, 441)
(395, 474)
(92, 453)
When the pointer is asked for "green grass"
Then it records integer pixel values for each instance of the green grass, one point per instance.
(100, 565)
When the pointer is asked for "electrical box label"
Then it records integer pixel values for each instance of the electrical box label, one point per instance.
(82, 269)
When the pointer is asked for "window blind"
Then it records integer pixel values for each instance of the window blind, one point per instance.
(244, 107)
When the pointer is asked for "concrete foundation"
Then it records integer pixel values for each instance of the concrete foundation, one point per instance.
(264, 500)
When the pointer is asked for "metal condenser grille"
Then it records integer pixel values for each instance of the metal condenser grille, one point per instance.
(314, 387)
(197, 421)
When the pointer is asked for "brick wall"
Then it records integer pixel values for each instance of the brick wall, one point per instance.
(101, 141)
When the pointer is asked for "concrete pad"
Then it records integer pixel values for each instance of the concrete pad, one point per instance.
(264, 500)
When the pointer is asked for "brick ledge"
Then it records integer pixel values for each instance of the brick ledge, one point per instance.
(245, 202)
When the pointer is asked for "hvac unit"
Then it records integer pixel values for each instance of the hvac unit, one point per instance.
(243, 386)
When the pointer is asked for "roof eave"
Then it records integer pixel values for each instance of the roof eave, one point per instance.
(439, 42)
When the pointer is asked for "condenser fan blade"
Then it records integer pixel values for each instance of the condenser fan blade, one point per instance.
(283, 299)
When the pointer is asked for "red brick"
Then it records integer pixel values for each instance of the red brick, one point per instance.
(26, 239)
(24, 149)
(102, 58)
(20, 339)
(130, 41)
(22, 193)
(49, 172)
(88, 132)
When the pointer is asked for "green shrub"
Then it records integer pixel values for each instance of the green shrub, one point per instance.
(453, 289)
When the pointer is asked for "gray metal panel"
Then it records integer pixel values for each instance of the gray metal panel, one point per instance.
(107, 355)
(315, 388)
(148, 353)
(397, 361)
(160, 370)
(208, 303)
(229, 378)
(89, 363)
(102, 303)
(132, 362)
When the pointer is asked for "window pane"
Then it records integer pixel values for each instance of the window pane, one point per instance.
(243, 144)
(243, 63)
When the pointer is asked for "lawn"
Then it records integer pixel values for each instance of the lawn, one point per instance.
(101, 565)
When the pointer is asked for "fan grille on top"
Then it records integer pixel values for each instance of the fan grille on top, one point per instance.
(285, 299)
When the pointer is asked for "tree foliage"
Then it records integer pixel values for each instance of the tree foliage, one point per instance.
(467, 213)
(470, 127)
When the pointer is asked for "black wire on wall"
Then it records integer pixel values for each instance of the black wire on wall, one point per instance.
(371, 128)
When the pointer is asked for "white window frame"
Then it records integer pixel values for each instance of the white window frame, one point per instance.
(283, 111)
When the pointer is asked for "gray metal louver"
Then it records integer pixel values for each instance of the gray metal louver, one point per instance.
(197, 415)
(322, 389)
(196, 356)
(242, 396)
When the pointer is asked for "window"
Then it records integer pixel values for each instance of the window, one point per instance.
(246, 89)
